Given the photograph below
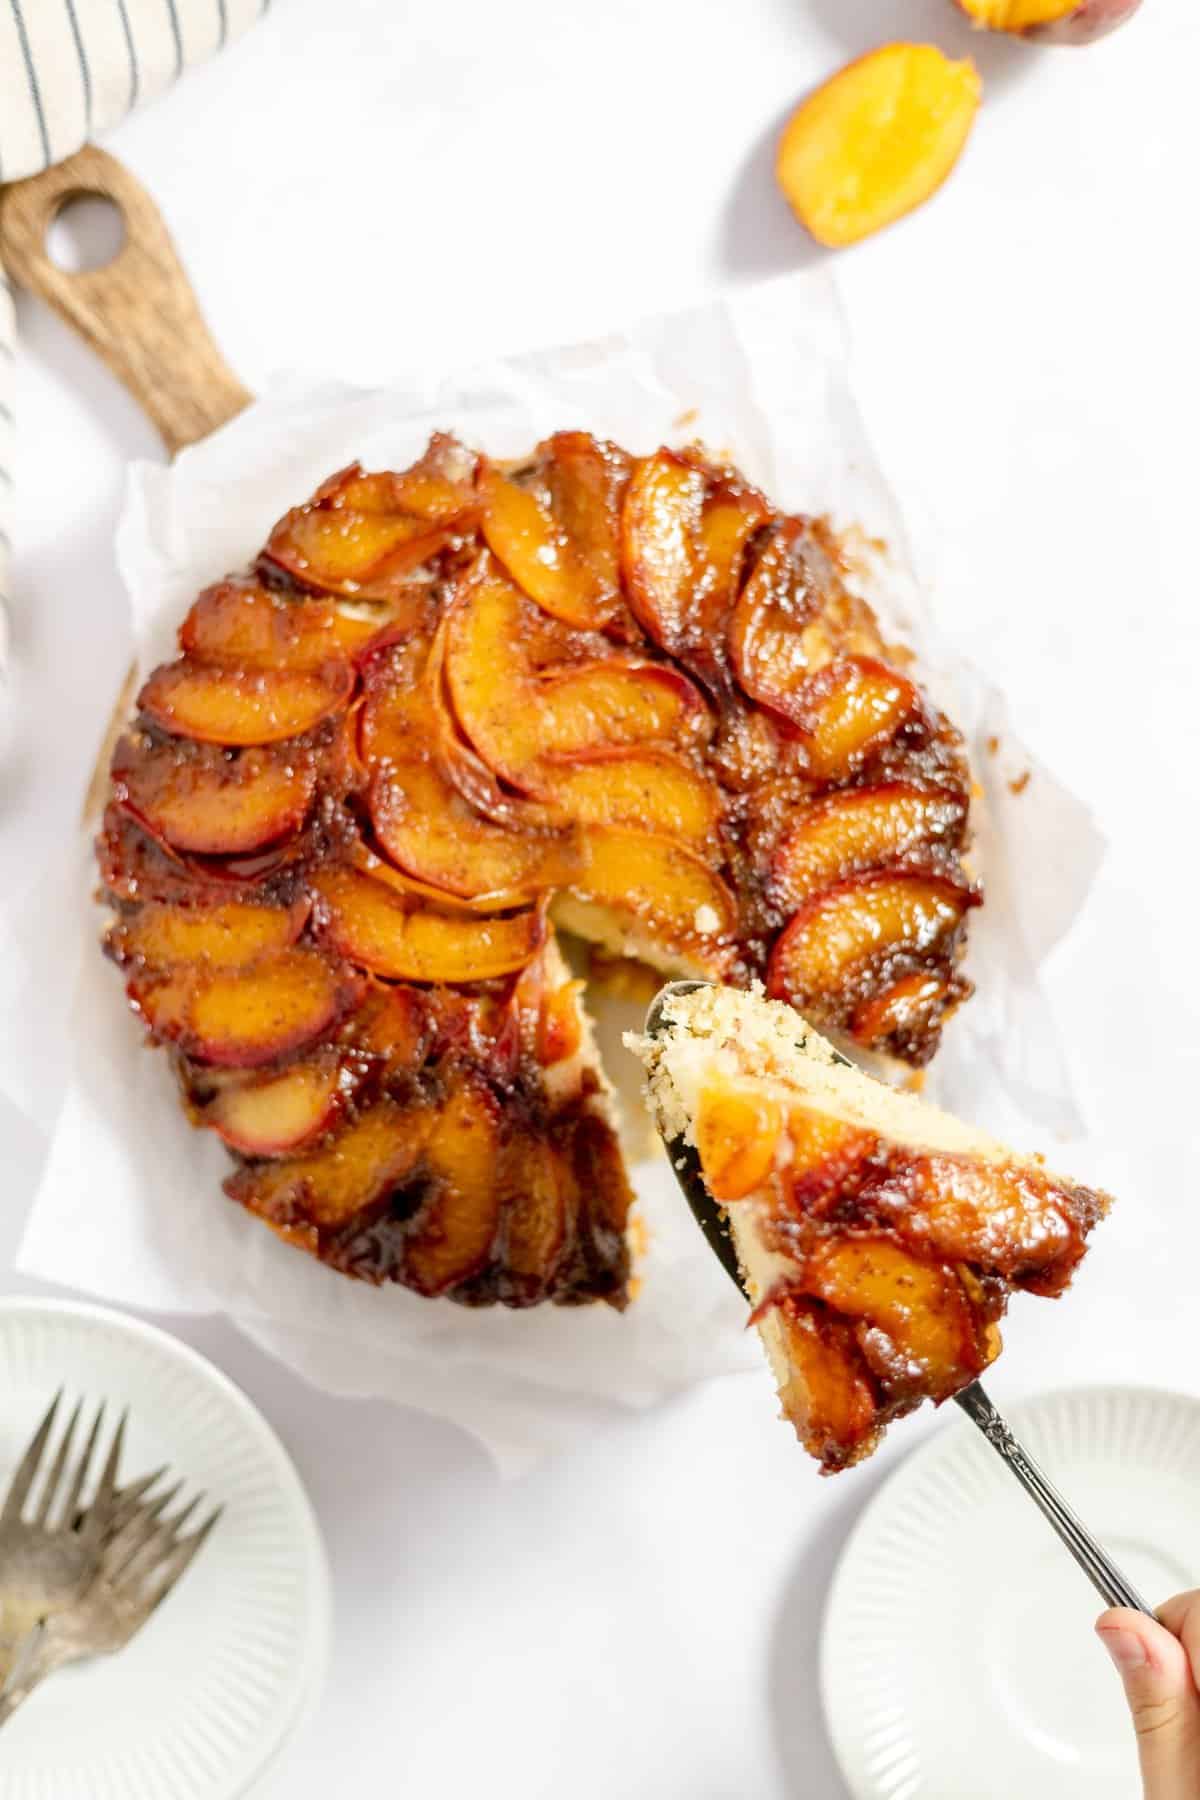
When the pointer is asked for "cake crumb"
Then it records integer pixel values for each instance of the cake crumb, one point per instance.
(687, 418)
(992, 744)
(1021, 782)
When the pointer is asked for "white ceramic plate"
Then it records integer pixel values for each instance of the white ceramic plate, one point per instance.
(210, 1688)
(957, 1656)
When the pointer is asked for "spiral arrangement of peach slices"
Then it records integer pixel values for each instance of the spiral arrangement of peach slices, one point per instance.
(446, 703)
(879, 1237)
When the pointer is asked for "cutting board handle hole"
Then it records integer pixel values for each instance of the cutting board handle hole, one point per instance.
(86, 236)
(86, 232)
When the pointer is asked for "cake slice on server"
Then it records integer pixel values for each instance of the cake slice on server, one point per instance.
(879, 1239)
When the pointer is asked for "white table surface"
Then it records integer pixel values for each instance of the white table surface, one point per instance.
(642, 1620)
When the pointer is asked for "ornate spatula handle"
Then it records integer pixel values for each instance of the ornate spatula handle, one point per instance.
(1099, 1568)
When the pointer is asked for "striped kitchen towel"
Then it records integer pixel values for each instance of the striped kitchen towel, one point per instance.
(68, 70)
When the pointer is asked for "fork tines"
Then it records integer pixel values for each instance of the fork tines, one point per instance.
(157, 1552)
(65, 1480)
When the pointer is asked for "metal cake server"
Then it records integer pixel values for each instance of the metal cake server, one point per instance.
(1113, 1587)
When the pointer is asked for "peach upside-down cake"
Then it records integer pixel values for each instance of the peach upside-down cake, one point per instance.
(878, 1238)
(449, 708)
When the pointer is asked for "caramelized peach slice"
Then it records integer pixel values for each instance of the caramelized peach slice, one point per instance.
(537, 553)
(473, 1027)
(423, 893)
(586, 479)
(200, 798)
(917, 1327)
(905, 1012)
(231, 936)
(865, 918)
(363, 535)
(559, 1031)
(766, 631)
(513, 718)
(364, 920)
(829, 1397)
(684, 529)
(274, 1115)
(463, 767)
(848, 710)
(397, 722)
(489, 678)
(748, 752)
(134, 865)
(737, 1136)
(826, 1159)
(659, 527)
(876, 140)
(246, 1017)
(440, 486)
(454, 1233)
(862, 829)
(1024, 1223)
(330, 1186)
(445, 947)
(239, 622)
(405, 721)
(732, 514)
(635, 703)
(243, 706)
(650, 789)
(362, 555)
(663, 883)
(431, 833)
(603, 1198)
(391, 1023)
(535, 1211)
(621, 702)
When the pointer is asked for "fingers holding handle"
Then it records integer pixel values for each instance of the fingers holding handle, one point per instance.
(1159, 1667)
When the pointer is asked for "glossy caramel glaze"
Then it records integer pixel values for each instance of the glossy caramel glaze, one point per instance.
(893, 1264)
(442, 697)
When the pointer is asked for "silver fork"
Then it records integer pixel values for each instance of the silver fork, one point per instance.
(50, 1543)
(139, 1566)
(105, 1568)
(1112, 1586)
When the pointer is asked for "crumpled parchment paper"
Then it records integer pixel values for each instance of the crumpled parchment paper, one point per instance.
(129, 1205)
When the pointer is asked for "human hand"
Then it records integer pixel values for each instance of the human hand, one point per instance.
(1159, 1666)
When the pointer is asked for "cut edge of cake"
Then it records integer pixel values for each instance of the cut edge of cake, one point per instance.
(722, 1031)
(761, 1049)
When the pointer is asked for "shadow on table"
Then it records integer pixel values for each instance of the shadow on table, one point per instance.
(807, 1761)
(759, 235)
(383, 1529)
(855, 26)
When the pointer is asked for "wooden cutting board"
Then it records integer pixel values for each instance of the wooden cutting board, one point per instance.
(138, 311)
(139, 315)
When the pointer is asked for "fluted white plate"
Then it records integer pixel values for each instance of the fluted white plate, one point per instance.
(957, 1657)
(199, 1702)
